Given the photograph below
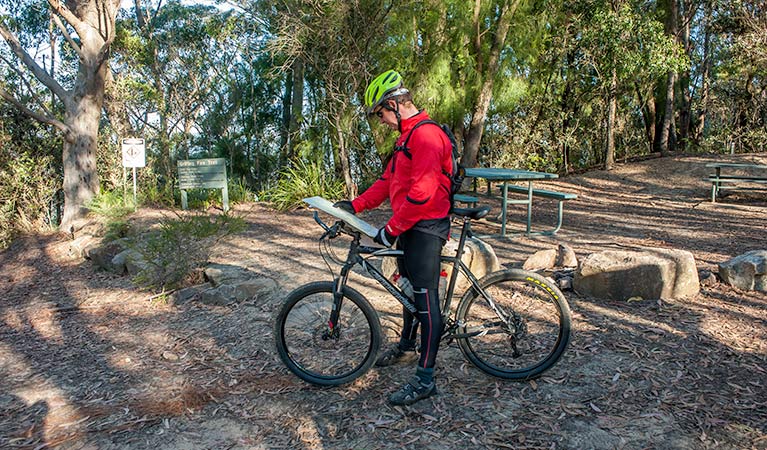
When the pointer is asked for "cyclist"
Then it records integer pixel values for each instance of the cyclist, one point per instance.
(417, 184)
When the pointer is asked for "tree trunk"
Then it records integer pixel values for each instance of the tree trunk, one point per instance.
(666, 142)
(287, 96)
(704, 91)
(668, 116)
(81, 181)
(486, 74)
(684, 83)
(612, 106)
(343, 129)
(94, 24)
(296, 108)
(648, 115)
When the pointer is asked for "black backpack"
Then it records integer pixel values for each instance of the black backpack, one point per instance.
(458, 173)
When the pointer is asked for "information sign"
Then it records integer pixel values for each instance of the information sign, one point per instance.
(204, 174)
(134, 152)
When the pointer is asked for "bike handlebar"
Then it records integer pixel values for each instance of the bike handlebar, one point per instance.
(330, 231)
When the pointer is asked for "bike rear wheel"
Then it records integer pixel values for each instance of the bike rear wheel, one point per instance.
(314, 352)
(530, 341)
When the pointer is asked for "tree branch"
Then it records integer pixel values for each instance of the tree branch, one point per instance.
(36, 70)
(77, 24)
(39, 117)
(66, 34)
(26, 83)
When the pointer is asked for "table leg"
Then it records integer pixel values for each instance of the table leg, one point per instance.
(718, 172)
(504, 198)
(529, 205)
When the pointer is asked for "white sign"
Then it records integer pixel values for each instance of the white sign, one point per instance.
(134, 154)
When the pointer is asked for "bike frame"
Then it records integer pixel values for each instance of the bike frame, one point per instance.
(355, 257)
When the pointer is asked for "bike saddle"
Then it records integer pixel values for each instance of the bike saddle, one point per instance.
(472, 213)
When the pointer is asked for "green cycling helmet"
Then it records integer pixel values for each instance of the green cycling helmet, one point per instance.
(384, 86)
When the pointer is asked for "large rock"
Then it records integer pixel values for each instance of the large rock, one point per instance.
(541, 260)
(77, 248)
(649, 274)
(219, 274)
(562, 256)
(226, 294)
(477, 255)
(103, 255)
(133, 260)
(747, 271)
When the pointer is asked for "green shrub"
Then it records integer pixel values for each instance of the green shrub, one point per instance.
(116, 229)
(180, 246)
(303, 180)
(28, 184)
(112, 204)
(239, 192)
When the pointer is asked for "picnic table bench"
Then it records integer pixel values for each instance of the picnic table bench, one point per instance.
(720, 182)
(465, 198)
(560, 197)
(504, 175)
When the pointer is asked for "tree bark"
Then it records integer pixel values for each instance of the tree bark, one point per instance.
(343, 129)
(287, 96)
(487, 71)
(612, 106)
(668, 116)
(685, 98)
(648, 115)
(296, 108)
(704, 91)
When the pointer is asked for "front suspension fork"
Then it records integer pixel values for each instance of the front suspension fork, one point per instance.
(338, 297)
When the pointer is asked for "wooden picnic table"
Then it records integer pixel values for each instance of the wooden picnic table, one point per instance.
(718, 180)
(505, 175)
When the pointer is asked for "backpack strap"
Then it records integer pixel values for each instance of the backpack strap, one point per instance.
(403, 147)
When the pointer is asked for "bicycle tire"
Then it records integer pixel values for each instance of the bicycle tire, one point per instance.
(302, 343)
(541, 333)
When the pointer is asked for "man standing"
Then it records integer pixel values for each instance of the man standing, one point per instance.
(417, 183)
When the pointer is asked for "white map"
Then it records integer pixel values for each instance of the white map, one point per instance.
(352, 220)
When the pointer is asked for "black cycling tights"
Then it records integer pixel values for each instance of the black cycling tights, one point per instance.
(420, 264)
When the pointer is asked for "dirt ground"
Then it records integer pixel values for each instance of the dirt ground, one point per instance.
(89, 362)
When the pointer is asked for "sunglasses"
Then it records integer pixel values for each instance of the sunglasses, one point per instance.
(380, 111)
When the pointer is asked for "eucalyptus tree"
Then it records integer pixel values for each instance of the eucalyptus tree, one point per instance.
(88, 28)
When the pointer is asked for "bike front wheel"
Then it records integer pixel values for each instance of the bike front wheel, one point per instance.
(315, 352)
(521, 333)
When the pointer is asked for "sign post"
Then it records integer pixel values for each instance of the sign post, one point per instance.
(134, 155)
(203, 173)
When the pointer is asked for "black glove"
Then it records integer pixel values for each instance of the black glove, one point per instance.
(346, 205)
(384, 238)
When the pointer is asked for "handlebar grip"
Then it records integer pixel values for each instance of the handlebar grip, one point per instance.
(320, 222)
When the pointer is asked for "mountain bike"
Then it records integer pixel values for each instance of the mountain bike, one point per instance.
(512, 324)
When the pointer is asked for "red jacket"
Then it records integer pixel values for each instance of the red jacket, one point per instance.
(417, 188)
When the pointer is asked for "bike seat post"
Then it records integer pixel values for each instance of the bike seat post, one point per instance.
(465, 232)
